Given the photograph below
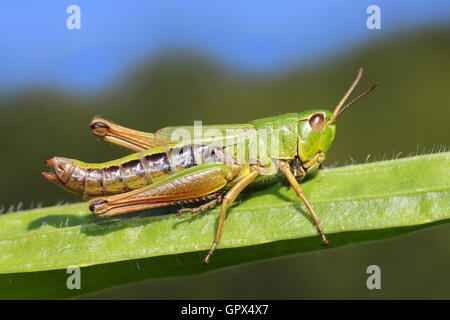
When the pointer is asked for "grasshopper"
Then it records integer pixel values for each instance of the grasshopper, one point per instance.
(215, 168)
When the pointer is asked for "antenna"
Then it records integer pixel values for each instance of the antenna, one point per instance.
(339, 109)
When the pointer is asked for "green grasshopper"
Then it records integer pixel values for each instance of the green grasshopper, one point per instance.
(215, 168)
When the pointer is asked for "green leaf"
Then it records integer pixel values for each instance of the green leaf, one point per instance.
(355, 204)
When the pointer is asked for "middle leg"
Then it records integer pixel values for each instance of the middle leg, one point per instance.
(228, 199)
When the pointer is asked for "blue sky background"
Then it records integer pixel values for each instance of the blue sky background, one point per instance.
(37, 48)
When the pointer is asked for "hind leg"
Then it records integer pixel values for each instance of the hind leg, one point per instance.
(124, 137)
(204, 207)
(195, 182)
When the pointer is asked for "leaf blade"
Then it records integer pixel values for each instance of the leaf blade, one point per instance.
(390, 184)
(383, 198)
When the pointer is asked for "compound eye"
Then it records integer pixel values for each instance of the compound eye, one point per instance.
(317, 122)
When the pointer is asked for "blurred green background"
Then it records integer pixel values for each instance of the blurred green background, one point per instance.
(407, 113)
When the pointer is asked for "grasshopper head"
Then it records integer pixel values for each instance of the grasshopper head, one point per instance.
(315, 133)
(316, 128)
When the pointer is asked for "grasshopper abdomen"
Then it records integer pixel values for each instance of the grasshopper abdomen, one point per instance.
(128, 173)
